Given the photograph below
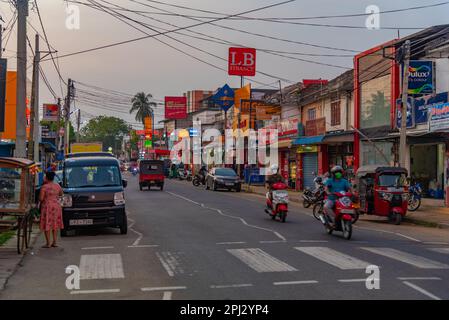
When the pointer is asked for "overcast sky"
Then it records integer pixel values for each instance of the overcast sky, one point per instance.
(155, 68)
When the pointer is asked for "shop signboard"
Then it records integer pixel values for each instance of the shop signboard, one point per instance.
(306, 149)
(51, 112)
(423, 104)
(439, 117)
(242, 62)
(175, 107)
(421, 77)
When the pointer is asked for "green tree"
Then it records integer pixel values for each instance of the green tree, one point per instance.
(108, 130)
(142, 106)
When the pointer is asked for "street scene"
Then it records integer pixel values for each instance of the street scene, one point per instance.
(207, 151)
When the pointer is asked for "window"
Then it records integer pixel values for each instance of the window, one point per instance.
(335, 113)
(311, 114)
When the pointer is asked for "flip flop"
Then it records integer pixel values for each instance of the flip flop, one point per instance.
(54, 245)
(46, 246)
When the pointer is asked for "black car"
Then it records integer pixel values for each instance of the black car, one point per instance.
(93, 194)
(223, 178)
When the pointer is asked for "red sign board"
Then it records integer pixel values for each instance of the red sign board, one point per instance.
(140, 132)
(242, 62)
(175, 107)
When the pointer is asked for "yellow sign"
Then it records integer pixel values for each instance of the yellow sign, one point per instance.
(86, 147)
(240, 94)
(306, 149)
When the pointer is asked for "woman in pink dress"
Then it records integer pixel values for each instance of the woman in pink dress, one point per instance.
(51, 210)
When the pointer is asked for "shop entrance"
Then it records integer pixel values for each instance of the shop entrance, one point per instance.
(310, 168)
(427, 168)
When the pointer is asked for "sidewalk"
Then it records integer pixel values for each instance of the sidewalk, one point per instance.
(432, 213)
(10, 261)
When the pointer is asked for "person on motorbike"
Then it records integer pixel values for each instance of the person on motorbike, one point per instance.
(336, 183)
(202, 173)
(275, 177)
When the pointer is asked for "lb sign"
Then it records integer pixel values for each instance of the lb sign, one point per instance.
(242, 62)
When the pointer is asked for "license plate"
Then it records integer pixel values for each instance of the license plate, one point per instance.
(151, 181)
(347, 211)
(81, 222)
(229, 184)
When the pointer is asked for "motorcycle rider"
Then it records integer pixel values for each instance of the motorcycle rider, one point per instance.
(202, 173)
(336, 183)
(275, 177)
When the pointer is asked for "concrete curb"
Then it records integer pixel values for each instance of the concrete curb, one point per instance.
(10, 260)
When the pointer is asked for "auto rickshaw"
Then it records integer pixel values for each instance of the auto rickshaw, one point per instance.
(151, 173)
(382, 191)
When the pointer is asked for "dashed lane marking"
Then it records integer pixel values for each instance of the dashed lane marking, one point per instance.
(96, 248)
(145, 246)
(351, 280)
(419, 278)
(150, 289)
(421, 290)
(95, 291)
(226, 243)
(243, 285)
(286, 283)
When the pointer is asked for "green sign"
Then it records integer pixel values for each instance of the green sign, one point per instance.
(148, 144)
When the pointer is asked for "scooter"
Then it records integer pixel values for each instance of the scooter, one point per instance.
(185, 174)
(199, 179)
(277, 206)
(311, 197)
(345, 215)
(414, 197)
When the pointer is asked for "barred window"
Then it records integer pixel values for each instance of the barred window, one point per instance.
(335, 113)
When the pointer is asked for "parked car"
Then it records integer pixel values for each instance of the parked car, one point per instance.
(223, 178)
(93, 194)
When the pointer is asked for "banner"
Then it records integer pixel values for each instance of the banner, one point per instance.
(439, 117)
(175, 107)
(51, 112)
(224, 98)
(422, 106)
(410, 113)
(3, 66)
(242, 62)
(421, 77)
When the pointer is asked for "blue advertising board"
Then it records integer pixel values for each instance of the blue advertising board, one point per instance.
(439, 117)
(421, 77)
(224, 98)
(423, 104)
(410, 113)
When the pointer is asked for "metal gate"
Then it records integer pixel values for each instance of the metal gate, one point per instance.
(310, 166)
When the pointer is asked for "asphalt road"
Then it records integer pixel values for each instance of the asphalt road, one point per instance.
(189, 243)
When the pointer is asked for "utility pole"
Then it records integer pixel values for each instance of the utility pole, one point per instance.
(58, 126)
(33, 142)
(78, 125)
(22, 13)
(1, 41)
(403, 137)
(67, 116)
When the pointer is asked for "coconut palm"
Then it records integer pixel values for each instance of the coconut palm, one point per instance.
(142, 106)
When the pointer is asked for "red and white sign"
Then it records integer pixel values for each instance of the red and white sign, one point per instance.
(242, 62)
(51, 112)
(175, 107)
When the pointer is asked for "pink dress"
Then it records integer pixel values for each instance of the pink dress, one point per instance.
(51, 210)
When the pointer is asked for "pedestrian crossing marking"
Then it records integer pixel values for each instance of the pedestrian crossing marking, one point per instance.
(441, 250)
(414, 260)
(101, 266)
(335, 258)
(260, 261)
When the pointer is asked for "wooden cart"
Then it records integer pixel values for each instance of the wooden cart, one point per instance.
(17, 198)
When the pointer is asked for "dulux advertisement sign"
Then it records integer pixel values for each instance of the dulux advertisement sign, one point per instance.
(421, 77)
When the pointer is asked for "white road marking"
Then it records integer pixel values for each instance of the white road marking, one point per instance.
(335, 258)
(167, 295)
(277, 234)
(441, 250)
(96, 248)
(224, 243)
(436, 242)
(231, 286)
(313, 241)
(130, 227)
(285, 283)
(407, 237)
(384, 231)
(273, 241)
(95, 291)
(351, 280)
(163, 288)
(424, 292)
(414, 260)
(101, 266)
(145, 246)
(419, 278)
(260, 261)
(170, 263)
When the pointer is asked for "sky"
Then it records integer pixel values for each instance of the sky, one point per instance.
(153, 67)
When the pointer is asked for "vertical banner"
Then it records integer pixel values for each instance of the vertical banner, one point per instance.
(3, 66)
(175, 107)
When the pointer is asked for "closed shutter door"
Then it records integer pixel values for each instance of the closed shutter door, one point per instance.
(310, 166)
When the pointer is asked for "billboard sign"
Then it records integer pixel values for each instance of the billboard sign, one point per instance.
(224, 97)
(421, 77)
(51, 112)
(422, 105)
(410, 113)
(242, 62)
(175, 107)
(3, 66)
(439, 117)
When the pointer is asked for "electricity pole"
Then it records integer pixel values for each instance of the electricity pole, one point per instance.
(33, 143)
(22, 13)
(405, 78)
(67, 116)
(78, 125)
(58, 126)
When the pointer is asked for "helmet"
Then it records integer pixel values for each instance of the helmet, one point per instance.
(318, 180)
(337, 169)
(274, 168)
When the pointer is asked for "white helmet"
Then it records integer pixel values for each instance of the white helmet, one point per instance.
(274, 168)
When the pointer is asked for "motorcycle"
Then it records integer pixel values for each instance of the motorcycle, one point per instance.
(185, 174)
(134, 171)
(414, 197)
(312, 197)
(277, 206)
(345, 215)
(199, 179)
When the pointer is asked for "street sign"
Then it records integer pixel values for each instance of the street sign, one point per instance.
(242, 62)
(224, 98)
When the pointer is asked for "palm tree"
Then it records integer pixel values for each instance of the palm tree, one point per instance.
(143, 106)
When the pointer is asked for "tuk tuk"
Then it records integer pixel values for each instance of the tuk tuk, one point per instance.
(151, 173)
(382, 191)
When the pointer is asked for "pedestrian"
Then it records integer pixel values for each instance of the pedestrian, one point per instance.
(51, 210)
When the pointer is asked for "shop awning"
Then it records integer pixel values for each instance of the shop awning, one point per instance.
(283, 144)
(308, 140)
(49, 147)
(347, 136)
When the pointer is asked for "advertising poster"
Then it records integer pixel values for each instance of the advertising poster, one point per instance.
(51, 112)
(175, 107)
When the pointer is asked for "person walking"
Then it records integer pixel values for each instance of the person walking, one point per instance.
(51, 210)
